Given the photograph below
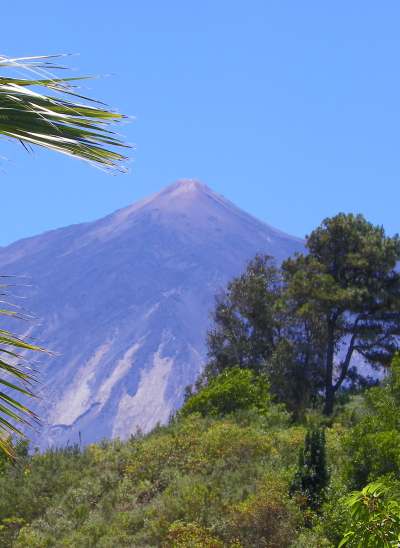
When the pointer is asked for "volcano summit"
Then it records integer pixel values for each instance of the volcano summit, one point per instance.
(125, 304)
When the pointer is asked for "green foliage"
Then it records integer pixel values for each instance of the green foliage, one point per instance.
(190, 535)
(53, 120)
(373, 445)
(302, 324)
(204, 480)
(252, 330)
(199, 480)
(311, 478)
(266, 518)
(346, 291)
(234, 389)
(16, 378)
(295, 373)
(375, 518)
(245, 322)
(310, 538)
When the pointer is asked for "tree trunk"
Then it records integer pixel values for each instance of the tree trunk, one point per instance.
(329, 400)
(329, 388)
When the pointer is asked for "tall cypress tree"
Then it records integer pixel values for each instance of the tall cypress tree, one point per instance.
(311, 477)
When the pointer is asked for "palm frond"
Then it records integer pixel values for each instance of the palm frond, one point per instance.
(59, 119)
(16, 378)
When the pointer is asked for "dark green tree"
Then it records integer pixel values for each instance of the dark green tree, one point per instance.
(294, 370)
(346, 292)
(311, 477)
(246, 324)
(253, 330)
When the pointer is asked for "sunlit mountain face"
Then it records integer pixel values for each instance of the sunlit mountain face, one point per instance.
(124, 303)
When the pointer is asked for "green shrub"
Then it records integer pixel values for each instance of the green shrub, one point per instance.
(373, 445)
(266, 518)
(234, 389)
(190, 535)
(375, 518)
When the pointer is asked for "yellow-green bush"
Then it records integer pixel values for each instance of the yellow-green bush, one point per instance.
(266, 518)
(230, 391)
(190, 535)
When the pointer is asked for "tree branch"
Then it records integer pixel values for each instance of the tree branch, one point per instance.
(344, 366)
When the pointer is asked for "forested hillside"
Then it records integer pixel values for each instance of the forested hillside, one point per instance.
(210, 481)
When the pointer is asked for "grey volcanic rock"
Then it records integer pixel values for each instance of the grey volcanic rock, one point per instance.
(125, 304)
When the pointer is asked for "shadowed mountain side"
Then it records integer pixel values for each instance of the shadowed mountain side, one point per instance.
(125, 303)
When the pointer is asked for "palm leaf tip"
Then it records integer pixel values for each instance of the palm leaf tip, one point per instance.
(62, 119)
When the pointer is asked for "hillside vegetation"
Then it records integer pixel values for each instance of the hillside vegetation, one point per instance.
(206, 481)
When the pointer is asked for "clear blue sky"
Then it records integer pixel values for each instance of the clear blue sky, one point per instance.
(290, 109)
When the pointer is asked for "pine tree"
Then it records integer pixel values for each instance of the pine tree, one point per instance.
(346, 289)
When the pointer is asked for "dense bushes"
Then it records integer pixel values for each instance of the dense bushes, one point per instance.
(234, 389)
(218, 481)
(373, 445)
(200, 478)
(266, 518)
(190, 535)
(213, 481)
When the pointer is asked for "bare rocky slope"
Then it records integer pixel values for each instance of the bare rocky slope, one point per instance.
(125, 304)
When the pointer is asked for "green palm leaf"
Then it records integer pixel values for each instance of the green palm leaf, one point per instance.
(59, 118)
(16, 376)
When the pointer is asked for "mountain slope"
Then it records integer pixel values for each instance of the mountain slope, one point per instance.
(125, 303)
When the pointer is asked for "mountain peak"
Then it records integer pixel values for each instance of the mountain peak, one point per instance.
(183, 188)
(180, 195)
(187, 185)
(183, 204)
